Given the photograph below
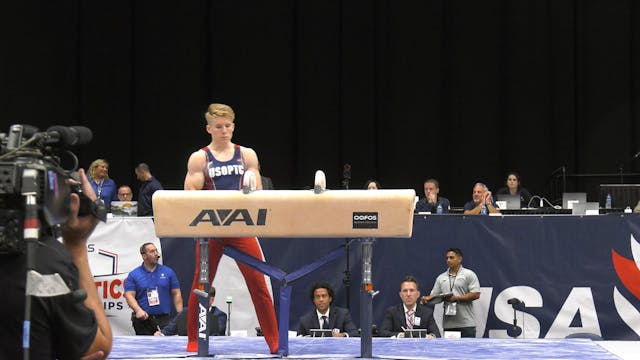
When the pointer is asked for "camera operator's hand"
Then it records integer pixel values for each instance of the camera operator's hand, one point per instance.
(75, 233)
(77, 229)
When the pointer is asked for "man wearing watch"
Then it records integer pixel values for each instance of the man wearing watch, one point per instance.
(482, 203)
(464, 286)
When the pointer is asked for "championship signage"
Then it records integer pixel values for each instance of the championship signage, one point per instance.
(113, 251)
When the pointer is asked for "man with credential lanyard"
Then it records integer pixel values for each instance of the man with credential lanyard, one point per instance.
(149, 290)
(464, 287)
(410, 315)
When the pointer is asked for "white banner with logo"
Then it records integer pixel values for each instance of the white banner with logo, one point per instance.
(114, 250)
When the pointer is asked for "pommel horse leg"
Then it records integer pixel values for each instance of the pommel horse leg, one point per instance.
(366, 299)
(203, 302)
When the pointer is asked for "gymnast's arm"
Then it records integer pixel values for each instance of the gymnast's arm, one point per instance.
(251, 162)
(194, 180)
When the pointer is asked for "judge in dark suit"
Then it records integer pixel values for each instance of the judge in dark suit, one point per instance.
(216, 319)
(325, 315)
(410, 314)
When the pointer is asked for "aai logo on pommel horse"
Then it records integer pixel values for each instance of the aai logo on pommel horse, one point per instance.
(226, 217)
(202, 322)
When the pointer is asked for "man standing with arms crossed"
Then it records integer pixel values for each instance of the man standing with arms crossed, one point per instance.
(464, 286)
(220, 166)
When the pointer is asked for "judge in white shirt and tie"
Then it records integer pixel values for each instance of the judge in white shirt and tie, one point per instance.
(410, 315)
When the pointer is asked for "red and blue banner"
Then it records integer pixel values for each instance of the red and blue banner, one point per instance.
(575, 274)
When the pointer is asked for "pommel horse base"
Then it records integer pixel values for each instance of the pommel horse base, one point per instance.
(361, 214)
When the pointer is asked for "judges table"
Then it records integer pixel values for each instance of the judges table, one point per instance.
(574, 273)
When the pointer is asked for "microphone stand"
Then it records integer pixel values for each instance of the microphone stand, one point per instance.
(515, 322)
(621, 172)
(621, 167)
(564, 179)
(228, 315)
(516, 330)
(347, 274)
(557, 175)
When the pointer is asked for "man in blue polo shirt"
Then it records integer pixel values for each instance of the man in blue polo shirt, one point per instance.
(149, 290)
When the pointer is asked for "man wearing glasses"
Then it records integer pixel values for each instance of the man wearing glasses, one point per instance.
(125, 193)
(149, 290)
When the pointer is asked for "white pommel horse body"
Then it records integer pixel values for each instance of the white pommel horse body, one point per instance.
(364, 214)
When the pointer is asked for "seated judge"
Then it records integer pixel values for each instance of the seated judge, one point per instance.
(431, 199)
(325, 315)
(514, 187)
(216, 317)
(482, 203)
(410, 314)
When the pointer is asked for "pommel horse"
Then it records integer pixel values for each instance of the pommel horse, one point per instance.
(321, 213)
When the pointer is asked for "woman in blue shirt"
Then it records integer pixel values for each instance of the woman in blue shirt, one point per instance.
(104, 187)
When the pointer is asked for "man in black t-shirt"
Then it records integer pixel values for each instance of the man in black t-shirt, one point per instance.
(67, 326)
(59, 324)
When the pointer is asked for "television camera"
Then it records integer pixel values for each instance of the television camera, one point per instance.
(30, 168)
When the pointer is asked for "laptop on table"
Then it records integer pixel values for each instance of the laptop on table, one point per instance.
(569, 199)
(512, 202)
(124, 208)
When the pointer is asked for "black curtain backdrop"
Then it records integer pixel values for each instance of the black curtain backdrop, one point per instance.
(462, 90)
